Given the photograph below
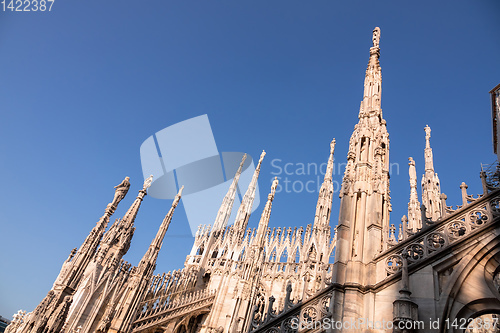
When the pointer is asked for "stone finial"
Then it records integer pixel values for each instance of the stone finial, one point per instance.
(332, 146)
(262, 156)
(121, 191)
(178, 197)
(147, 183)
(427, 130)
(464, 187)
(376, 37)
(274, 186)
(412, 172)
(392, 236)
(443, 198)
(404, 224)
(484, 184)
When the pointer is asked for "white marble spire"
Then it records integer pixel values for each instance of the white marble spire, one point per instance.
(149, 259)
(414, 214)
(227, 203)
(266, 214)
(431, 189)
(365, 197)
(373, 81)
(245, 208)
(324, 203)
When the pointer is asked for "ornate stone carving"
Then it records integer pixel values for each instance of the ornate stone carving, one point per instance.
(147, 182)
(474, 216)
(121, 191)
(376, 37)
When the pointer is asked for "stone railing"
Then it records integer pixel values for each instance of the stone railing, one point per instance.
(296, 317)
(170, 306)
(463, 222)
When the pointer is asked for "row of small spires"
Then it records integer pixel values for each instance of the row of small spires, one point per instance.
(404, 233)
(285, 233)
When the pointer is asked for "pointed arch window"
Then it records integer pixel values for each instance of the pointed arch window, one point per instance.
(284, 256)
(272, 256)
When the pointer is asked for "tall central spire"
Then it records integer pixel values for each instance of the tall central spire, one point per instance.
(365, 199)
(370, 106)
(365, 205)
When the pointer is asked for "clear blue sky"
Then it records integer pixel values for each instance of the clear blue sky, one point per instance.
(82, 86)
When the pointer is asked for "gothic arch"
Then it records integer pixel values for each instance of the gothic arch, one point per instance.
(476, 267)
(283, 257)
(189, 323)
(478, 308)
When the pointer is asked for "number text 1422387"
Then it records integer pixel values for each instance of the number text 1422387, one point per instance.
(27, 5)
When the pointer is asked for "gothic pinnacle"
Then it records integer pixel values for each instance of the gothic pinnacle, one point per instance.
(156, 244)
(427, 130)
(414, 214)
(431, 190)
(245, 208)
(329, 168)
(131, 213)
(370, 106)
(266, 213)
(228, 201)
(325, 197)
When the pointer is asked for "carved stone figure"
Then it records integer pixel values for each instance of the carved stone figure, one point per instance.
(120, 192)
(376, 37)
(147, 182)
(412, 172)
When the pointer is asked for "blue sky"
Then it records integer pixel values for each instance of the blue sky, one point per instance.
(82, 86)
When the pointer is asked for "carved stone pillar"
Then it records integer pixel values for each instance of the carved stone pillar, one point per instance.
(405, 312)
